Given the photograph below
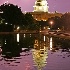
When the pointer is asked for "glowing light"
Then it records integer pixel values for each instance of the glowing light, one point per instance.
(40, 8)
(30, 35)
(43, 3)
(44, 38)
(49, 28)
(51, 43)
(18, 27)
(36, 44)
(10, 24)
(25, 12)
(58, 28)
(4, 2)
(24, 35)
(44, 27)
(40, 31)
(17, 37)
(0, 50)
(6, 23)
(9, 4)
(39, 57)
(1, 12)
(36, 19)
(5, 42)
(51, 22)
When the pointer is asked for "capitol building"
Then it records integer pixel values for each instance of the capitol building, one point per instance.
(41, 12)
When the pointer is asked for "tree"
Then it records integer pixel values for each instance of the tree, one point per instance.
(42, 24)
(65, 20)
(12, 14)
(56, 22)
(30, 22)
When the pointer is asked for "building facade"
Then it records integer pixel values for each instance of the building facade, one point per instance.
(44, 15)
(41, 12)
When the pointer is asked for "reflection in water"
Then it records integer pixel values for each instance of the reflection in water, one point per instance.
(41, 42)
(30, 35)
(36, 44)
(51, 43)
(39, 57)
(10, 47)
(17, 37)
(5, 41)
(40, 45)
(31, 52)
(44, 38)
(24, 35)
(40, 53)
(0, 50)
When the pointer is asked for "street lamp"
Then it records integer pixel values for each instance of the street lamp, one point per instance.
(18, 28)
(51, 23)
(6, 23)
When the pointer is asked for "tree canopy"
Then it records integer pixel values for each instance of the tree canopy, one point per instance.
(11, 13)
(13, 16)
(65, 20)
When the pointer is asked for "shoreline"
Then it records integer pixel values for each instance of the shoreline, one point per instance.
(19, 32)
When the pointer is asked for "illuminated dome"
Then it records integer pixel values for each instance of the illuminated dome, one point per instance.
(41, 6)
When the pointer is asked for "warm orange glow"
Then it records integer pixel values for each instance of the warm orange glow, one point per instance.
(51, 22)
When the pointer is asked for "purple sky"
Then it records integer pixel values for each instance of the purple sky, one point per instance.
(54, 5)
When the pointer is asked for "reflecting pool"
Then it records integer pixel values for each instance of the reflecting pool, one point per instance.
(34, 52)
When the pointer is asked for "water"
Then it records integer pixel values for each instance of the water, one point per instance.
(34, 52)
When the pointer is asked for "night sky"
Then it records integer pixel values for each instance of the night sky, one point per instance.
(54, 5)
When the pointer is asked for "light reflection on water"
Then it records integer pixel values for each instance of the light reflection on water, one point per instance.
(51, 43)
(32, 53)
(17, 37)
(39, 57)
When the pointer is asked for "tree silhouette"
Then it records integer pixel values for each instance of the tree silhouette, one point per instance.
(30, 22)
(65, 20)
(56, 22)
(12, 14)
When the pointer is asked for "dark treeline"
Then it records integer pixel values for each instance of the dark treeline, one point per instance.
(12, 17)
(12, 48)
(62, 22)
